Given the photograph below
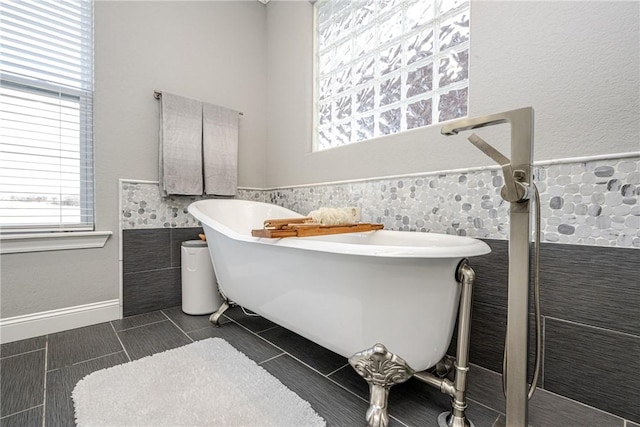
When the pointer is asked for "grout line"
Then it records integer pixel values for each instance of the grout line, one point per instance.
(93, 358)
(126, 353)
(26, 352)
(543, 350)
(477, 402)
(268, 329)
(271, 358)
(582, 404)
(153, 269)
(586, 325)
(139, 326)
(4, 417)
(397, 420)
(44, 391)
(336, 370)
(176, 325)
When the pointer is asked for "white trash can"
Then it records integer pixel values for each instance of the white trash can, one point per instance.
(199, 286)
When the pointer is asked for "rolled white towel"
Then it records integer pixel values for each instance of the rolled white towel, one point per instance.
(336, 216)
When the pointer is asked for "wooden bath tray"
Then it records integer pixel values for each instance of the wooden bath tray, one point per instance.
(304, 227)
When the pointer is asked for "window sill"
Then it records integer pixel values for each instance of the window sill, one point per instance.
(39, 242)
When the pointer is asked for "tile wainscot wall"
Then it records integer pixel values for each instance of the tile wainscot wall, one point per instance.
(590, 297)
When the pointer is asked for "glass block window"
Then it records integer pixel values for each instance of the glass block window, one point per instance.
(386, 66)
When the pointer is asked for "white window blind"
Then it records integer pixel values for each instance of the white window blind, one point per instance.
(387, 66)
(46, 115)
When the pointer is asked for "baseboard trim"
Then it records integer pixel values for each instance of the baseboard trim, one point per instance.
(48, 322)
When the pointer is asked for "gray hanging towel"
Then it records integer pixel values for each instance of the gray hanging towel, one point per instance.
(180, 166)
(220, 150)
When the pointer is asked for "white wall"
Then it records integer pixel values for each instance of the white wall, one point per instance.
(577, 63)
(212, 51)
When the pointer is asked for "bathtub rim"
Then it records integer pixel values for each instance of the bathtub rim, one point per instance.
(442, 245)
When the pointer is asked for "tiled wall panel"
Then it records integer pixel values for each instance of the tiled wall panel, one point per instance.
(546, 409)
(144, 250)
(595, 366)
(150, 290)
(592, 285)
(151, 268)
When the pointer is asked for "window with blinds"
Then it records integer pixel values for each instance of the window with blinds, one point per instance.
(46, 115)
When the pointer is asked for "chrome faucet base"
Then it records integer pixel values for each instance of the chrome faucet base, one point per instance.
(447, 419)
(518, 179)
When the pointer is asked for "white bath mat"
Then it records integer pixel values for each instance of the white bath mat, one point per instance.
(207, 383)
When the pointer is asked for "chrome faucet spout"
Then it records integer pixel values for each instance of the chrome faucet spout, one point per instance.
(453, 127)
(517, 172)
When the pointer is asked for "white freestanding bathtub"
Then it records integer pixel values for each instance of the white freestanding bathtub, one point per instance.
(345, 292)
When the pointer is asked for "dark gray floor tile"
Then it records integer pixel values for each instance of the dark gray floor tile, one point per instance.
(147, 291)
(188, 322)
(179, 235)
(22, 385)
(23, 346)
(253, 322)
(631, 424)
(594, 366)
(337, 406)
(61, 382)
(138, 320)
(413, 402)
(325, 361)
(28, 418)
(255, 348)
(146, 249)
(78, 345)
(150, 339)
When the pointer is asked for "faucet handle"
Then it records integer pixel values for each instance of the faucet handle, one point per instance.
(487, 149)
(512, 191)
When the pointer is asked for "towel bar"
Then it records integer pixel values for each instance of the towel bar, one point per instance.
(158, 94)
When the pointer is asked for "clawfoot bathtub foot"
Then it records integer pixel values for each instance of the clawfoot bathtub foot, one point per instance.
(381, 369)
(215, 317)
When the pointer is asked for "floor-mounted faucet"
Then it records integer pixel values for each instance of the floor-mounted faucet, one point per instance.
(517, 177)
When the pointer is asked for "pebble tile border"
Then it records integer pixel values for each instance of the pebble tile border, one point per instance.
(591, 203)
